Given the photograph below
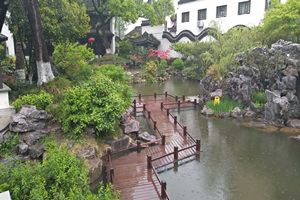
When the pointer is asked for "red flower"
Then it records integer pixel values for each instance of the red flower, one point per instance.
(106, 94)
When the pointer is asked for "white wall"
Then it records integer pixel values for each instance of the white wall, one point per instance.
(10, 41)
(232, 19)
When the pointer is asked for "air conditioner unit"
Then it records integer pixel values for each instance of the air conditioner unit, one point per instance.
(200, 24)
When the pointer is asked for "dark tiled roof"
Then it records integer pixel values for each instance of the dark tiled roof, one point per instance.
(185, 1)
(3, 38)
(137, 29)
(145, 39)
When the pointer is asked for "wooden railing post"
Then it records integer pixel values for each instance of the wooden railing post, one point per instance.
(175, 153)
(163, 189)
(134, 105)
(198, 145)
(154, 123)
(149, 160)
(111, 173)
(144, 107)
(195, 101)
(168, 112)
(176, 98)
(140, 96)
(108, 154)
(154, 95)
(166, 94)
(149, 114)
(175, 120)
(183, 97)
(184, 130)
(162, 105)
(139, 146)
(178, 104)
(163, 141)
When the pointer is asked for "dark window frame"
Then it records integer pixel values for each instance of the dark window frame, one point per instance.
(184, 19)
(200, 16)
(247, 11)
(222, 11)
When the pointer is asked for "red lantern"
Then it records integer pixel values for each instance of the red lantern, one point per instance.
(91, 40)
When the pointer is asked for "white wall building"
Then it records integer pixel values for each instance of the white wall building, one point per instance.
(10, 48)
(194, 16)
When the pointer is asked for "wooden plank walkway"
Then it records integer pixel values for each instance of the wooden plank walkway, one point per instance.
(131, 174)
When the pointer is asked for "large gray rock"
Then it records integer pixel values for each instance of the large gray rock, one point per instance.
(207, 112)
(293, 123)
(290, 82)
(22, 149)
(277, 108)
(240, 89)
(145, 136)
(95, 169)
(28, 119)
(36, 151)
(249, 114)
(236, 113)
(11, 159)
(217, 93)
(31, 137)
(132, 126)
(88, 152)
(119, 144)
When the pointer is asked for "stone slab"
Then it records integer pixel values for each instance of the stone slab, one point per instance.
(7, 111)
(4, 122)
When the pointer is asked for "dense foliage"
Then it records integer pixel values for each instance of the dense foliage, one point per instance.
(97, 103)
(259, 98)
(226, 105)
(178, 64)
(282, 21)
(70, 57)
(60, 176)
(42, 101)
(7, 147)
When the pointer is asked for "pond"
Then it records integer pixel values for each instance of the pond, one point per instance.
(237, 162)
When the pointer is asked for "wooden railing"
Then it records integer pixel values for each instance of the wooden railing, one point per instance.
(162, 94)
(163, 184)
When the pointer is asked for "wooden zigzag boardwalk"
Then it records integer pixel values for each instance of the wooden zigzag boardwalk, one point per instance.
(134, 174)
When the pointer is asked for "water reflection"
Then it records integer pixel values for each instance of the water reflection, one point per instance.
(236, 163)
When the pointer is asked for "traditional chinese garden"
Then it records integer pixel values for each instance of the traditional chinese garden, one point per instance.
(75, 110)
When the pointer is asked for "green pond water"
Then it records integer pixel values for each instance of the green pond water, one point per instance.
(237, 162)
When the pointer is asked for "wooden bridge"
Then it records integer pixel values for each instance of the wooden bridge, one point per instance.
(134, 174)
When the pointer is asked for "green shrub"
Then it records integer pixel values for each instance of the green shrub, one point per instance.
(226, 105)
(70, 57)
(163, 64)
(60, 176)
(8, 147)
(151, 68)
(124, 49)
(178, 64)
(41, 101)
(99, 103)
(259, 98)
(115, 73)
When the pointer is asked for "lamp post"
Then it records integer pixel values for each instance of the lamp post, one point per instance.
(3, 9)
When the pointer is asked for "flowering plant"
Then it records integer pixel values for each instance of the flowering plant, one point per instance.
(160, 53)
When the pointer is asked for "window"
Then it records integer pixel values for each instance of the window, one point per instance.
(202, 14)
(185, 17)
(221, 11)
(244, 7)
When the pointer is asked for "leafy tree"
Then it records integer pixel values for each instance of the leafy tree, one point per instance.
(61, 20)
(282, 21)
(128, 11)
(60, 176)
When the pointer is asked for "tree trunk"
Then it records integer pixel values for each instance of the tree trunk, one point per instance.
(20, 71)
(105, 41)
(44, 70)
